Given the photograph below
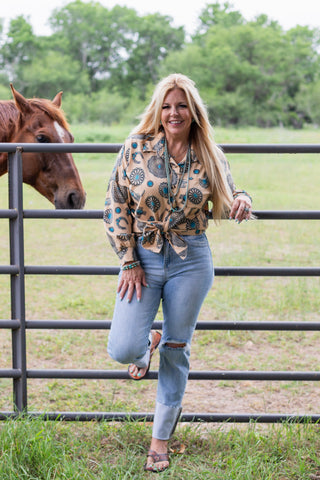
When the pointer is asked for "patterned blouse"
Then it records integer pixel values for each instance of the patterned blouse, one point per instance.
(137, 198)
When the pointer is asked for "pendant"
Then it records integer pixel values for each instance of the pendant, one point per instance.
(173, 204)
(172, 198)
(175, 207)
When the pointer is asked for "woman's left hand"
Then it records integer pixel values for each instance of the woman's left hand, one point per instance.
(241, 209)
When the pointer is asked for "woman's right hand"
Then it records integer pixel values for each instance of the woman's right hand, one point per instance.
(130, 281)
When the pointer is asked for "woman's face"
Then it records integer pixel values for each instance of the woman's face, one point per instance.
(176, 116)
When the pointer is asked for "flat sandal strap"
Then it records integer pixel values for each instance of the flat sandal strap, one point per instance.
(158, 457)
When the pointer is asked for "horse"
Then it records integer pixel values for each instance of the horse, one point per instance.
(38, 120)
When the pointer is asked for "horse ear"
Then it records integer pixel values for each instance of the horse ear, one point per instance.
(57, 99)
(20, 101)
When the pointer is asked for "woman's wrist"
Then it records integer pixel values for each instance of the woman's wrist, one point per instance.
(237, 193)
(130, 265)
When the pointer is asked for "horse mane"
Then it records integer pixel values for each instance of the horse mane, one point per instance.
(8, 119)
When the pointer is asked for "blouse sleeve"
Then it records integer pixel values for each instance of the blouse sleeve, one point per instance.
(117, 213)
(226, 167)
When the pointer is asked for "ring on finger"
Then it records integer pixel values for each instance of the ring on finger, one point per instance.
(246, 209)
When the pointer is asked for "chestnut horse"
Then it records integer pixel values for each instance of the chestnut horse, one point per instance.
(37, 120)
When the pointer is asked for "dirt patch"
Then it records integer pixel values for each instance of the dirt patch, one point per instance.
(250, 396)
(247, 396)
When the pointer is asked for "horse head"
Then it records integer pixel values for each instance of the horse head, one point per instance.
(54, 175)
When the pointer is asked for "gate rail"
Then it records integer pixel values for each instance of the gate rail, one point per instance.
(18, 323)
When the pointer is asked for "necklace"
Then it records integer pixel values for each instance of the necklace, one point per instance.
(172, 197)
(181, 154)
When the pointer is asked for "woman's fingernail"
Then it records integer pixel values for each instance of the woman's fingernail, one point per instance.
(139, 374)
(139, 300)
(148, 286)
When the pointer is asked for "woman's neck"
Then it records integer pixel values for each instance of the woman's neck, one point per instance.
(177, 148)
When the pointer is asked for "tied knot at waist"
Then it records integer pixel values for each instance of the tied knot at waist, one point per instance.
(153, 235)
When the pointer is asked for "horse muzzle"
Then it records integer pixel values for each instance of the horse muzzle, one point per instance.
(72, 200)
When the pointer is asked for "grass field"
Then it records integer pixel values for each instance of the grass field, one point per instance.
(34, 450)
(280, 182)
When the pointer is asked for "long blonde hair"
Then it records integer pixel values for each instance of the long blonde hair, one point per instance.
(201, 136)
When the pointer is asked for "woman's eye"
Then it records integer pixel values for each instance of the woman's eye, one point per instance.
(42, 139)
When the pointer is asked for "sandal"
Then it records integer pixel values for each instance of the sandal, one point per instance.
(156, 337)
(156, 457)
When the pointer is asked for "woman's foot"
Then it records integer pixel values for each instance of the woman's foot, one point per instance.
(158, 459)
(137, 373)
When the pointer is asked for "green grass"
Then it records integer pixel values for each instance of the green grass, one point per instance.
(38, 450)
(34, 450)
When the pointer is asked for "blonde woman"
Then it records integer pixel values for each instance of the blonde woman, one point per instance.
(156, 214)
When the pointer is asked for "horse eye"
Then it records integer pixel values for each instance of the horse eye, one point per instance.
(42, 139)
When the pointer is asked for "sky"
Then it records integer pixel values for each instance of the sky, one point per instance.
(288, 13)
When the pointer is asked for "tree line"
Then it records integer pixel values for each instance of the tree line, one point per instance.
(107, 61)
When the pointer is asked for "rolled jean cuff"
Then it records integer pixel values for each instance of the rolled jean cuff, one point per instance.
(165, 421)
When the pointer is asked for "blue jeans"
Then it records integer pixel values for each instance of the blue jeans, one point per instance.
(182, 285)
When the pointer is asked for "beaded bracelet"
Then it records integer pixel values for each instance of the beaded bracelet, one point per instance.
(242, 192)
(131, 265)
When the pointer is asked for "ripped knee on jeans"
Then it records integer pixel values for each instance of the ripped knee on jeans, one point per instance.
(175, 345)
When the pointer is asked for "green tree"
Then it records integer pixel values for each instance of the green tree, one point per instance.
(153, 40)
(94, 36)
(308, 102)
(248, 72)
(217, 14)
(5, 92)
(119, 49)
(19, 49)
(47, 74)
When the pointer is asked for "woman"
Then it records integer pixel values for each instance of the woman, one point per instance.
(156, 214)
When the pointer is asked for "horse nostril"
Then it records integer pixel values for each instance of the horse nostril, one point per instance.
(71, 200)
(75, 200)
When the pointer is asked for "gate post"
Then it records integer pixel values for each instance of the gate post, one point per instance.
(19, 361)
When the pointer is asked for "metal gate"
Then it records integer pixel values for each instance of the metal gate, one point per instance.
(18, 322)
